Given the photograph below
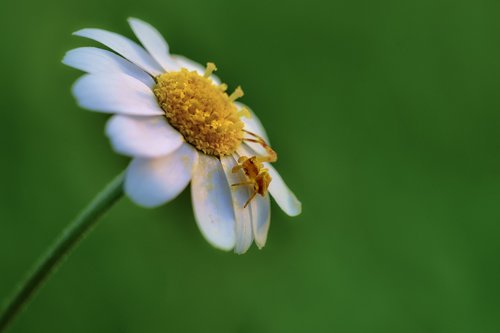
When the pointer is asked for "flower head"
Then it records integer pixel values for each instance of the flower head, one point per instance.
(179, 125)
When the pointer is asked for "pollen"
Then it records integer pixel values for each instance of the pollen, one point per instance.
(201, 110)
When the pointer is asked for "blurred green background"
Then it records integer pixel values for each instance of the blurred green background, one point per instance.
(385, 115)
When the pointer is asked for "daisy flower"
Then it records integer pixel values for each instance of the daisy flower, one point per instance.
(176, 121)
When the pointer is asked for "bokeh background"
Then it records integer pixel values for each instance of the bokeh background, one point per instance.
(385, 115)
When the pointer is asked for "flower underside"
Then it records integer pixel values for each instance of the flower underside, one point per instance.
(201, 110)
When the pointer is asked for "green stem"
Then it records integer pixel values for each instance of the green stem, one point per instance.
(60, 248)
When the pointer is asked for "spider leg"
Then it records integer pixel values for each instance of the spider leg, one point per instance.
(243, 183)
(253, 140)
(253, 134)
(272, 156)
(250, 199)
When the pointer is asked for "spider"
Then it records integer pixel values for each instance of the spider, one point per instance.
(254, 170)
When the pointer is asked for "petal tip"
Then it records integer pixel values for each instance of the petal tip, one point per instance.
(64, 59)
(68, 57)
(81, 32)
(132, 21)
(240, 249)
(240, 252)
(222, 247)
(260, 246)
(296, 208)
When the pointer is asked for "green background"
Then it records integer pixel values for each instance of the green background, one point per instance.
(385, 115)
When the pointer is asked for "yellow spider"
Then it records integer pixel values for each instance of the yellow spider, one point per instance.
(254, 170)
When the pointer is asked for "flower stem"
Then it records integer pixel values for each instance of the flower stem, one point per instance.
(60, 248)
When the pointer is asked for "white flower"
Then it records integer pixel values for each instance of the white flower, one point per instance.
(174, 118)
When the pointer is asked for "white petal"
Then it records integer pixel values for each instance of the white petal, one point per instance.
(191, 65)
(240, 195)
(93, 60)
(260, 208)
(124, 46)
(116, 93)
(143, 136)
(253, 124)
(152, 182)
(283, 196)
(261, 219)
(153, 42)
(212, 203)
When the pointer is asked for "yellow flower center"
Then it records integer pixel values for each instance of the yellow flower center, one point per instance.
(201, 110)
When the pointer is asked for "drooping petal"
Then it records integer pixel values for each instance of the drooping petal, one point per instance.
(252, 123)
(124, 46)
(94, 60)
(119, 93)
(191, 65)
(239, 194)
(145, 137)
(260, 207)
(152, 182)
(153, 42)
(261, 219)
(212, 203)
(283, 196)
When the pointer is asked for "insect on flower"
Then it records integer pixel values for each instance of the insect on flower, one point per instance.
(180, 126)
(253, 167)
